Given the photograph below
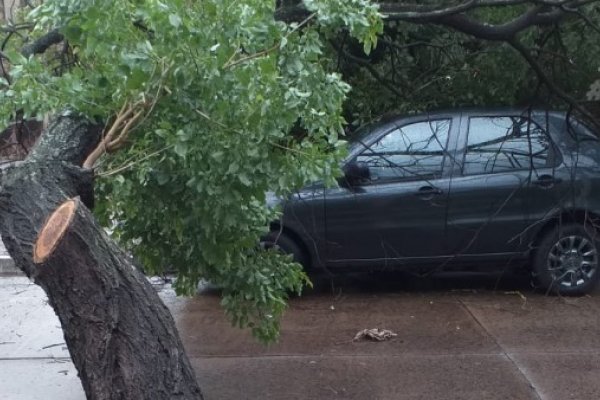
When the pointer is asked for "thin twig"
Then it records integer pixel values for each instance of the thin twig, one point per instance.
(549, 83)
(289, 149)
(222, 125)
(128, 164)
(232, 63)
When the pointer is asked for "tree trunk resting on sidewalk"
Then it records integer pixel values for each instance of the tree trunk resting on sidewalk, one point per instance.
(121, 337)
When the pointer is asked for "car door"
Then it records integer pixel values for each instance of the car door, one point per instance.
(399, 213)
(490, 193)
(554, 187)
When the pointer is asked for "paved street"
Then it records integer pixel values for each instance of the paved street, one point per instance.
(459, 337)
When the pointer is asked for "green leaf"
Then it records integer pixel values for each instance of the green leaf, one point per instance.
(181, 149)
(175, 20)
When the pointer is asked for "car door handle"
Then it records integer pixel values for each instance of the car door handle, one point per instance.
(427, 192)
(546, 181)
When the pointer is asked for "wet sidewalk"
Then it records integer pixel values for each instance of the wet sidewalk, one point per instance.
(458, 339)
(34, 362)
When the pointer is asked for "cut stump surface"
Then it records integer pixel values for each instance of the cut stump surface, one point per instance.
(53, 231)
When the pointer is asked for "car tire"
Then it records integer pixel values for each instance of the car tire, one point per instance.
(566, 261)
(280, 241)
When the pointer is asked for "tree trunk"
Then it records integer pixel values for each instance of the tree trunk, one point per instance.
(121, 337)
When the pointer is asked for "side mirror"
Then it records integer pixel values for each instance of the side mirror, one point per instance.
(356, 172)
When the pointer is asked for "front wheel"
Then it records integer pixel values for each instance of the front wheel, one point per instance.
(566, 261)
(279, 241)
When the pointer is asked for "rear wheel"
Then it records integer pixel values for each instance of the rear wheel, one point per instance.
(566, 261)
(279, 241)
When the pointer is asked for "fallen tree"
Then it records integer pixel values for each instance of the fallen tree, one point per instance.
(212, 90)
(122, 339)
(199, 110)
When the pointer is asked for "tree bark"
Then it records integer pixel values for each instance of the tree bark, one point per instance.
(121, 337)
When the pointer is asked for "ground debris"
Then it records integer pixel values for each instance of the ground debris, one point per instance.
(521, 296)
(376, 334)
(52, 345)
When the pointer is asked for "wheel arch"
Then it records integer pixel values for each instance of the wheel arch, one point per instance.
(297, 238)
(587, 218)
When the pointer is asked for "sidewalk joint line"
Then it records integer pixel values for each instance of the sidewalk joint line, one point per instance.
(509, 356)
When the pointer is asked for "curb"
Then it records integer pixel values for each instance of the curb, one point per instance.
(7, 266)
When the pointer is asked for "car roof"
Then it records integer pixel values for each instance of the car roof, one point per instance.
(473, 110)
(391, 119)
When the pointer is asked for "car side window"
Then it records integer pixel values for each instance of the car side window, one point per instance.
(499, 144)
(414, 151)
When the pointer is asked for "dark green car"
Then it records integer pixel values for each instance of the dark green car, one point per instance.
(458, 189)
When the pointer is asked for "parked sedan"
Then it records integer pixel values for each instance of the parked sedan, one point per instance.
(459, 188)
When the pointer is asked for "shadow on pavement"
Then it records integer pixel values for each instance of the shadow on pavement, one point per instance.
(399, 281)
(388, 282)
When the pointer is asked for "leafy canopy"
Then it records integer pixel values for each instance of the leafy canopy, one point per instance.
(222, 84)
(422, 66)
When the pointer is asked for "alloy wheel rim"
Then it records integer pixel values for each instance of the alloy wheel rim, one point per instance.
(572, 261)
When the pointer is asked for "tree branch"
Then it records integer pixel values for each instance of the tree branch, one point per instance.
(42, 44)
(69, 138)
(366, 64)
(417, 12)
(587, 20)
(233, 62)
(535, 16)
(549, 83)
(126, 119)
(290, 14)
(542, 12)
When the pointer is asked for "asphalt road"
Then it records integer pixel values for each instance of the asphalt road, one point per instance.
(459, 337)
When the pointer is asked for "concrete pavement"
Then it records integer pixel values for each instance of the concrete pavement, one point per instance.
(458, 338)
(34, 362)
(7, 265)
